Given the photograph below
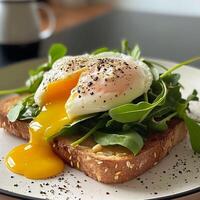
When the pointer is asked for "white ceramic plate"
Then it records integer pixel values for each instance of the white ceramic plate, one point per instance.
(176, 175)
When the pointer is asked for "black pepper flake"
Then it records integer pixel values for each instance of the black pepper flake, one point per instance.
(16, 185)
(11, 176)
(107, 193)
(42, 192)
(52, 191)
(92, 93)
(89, 84)
(95, 78)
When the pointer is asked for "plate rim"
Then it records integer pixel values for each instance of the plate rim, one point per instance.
(173, 196)
(25, 197)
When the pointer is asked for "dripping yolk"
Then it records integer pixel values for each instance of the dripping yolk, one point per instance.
(36, 160)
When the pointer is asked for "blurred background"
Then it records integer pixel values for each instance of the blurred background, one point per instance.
(163, 28)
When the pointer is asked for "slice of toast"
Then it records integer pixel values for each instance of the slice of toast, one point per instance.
(110, 164)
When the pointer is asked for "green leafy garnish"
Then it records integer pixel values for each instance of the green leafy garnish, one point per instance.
(14, 112)
(35, 76)
(130, 139)
(194, 132)
(169, 71)
(20, 90)
(99, 125)
(71, 128)
(135, 52)
(100, 50)
(55, 52)
(160, 124)
(137, 112)
(25, 109)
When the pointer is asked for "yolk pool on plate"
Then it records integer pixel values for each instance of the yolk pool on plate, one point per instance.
(36, 160)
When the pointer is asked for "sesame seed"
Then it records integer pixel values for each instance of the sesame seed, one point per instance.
(116, 177)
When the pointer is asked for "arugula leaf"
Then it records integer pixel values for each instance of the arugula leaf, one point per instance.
(34, 81)
(172, 79)
(160, 125)
(193, 96)
(56, 51)
(170, 70)
(113, 125)
(183, 104)
(125, 47)
(160, 111)
(20, 90)
(137, 112)
(153, 69)
(131, 140)
(25, 109)
(100, 124)
(100, 50)
(70, 128)
(136, 52)
(138, 127)
(194, 132)
(173, 97)
(42, 68)
(14, 112)
(66, 131)
(155, 64)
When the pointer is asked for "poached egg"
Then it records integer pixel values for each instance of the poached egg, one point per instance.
(75, 86)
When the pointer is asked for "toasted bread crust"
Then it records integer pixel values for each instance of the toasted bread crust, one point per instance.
(104, 167)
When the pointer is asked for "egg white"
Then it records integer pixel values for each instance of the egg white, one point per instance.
(61, 69)
(111, 79)
(123, 81)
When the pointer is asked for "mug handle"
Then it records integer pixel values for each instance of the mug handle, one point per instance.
(51, 18)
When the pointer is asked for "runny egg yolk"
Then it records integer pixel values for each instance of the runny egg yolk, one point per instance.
(36, 159)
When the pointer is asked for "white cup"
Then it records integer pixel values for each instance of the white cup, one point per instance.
(20, 22)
